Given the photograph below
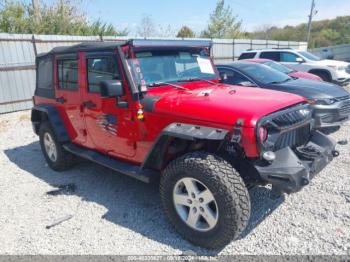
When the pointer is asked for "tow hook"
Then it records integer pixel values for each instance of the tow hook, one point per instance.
(335, 153)
(305, 181)
(343, 142)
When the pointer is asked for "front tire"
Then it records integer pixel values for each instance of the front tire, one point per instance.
(205, 199)
(56, 156)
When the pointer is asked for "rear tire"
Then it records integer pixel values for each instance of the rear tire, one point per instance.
(56, 156)
(215, 180)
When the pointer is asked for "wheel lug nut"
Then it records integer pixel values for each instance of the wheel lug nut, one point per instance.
(201, 200)
(193, 195)
(189, 201)
(201, 209)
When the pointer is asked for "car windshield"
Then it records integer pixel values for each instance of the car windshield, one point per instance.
(152, 68)
(263, 74)
(310, 56)
(279, 67)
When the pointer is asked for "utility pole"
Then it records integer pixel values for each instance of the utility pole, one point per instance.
(313, 12)
(36, 9)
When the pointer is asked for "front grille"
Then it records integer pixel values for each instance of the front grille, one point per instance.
(343, 98)
(345, 109)
(289, 119)
(288, 128)
(348, 69)
(293, 138)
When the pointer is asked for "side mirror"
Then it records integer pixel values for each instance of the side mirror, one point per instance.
(113, 89)
(299, 60)
(223, 77)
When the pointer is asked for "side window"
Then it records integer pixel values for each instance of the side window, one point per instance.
(233, 77)
(247, 56)
(288, 57)
(275, 56)
(101, 69)
(67, 74)
(45, 73)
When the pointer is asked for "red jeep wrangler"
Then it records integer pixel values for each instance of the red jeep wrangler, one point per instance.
(156, 109)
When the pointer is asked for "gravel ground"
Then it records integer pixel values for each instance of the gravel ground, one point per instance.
(114, 214)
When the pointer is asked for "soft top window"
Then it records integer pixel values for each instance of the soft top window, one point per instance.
(44, 77)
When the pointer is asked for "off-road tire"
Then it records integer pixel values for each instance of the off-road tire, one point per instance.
(228, 188)
(65, 160)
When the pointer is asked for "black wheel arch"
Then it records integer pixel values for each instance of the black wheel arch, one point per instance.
(178, 138)
(320, 72)
(48, 113)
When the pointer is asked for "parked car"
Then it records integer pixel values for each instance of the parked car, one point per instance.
(334, 71)
(284, 69)
(330, 102)
(155, 109)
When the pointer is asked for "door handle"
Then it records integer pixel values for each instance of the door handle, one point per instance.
(88, 104)
(61, 100)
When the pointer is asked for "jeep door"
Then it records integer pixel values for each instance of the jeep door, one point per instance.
(68, 95)
(110, 128)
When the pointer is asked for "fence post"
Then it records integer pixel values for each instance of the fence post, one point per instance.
(233, 50)
(34, 45)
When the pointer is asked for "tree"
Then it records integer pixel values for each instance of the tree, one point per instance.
(222, 23)
(185, 32)
(165, 31)
(146, 27)
(324, 33)
(62, 17)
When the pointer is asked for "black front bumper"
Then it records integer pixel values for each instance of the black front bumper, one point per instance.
(291, 171)
(331, 115)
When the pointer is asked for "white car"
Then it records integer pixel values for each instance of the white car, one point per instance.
(329, 70)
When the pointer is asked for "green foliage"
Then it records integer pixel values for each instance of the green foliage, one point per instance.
(324, 33)
(222, 23)
(185, 32)
(61, 18)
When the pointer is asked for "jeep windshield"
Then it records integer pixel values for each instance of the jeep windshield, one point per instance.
(154, 68)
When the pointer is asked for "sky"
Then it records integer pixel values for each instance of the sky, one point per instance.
(195, 13)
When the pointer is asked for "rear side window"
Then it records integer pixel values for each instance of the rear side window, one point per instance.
(275, 56)
(247, 56)
(101, 69)
(67, 74)
(288, 57)
(44, 77)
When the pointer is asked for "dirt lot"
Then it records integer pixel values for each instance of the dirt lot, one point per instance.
(114, 214)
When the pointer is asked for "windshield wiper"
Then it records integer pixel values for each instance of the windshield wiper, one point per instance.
(192, 79)
(155, 84)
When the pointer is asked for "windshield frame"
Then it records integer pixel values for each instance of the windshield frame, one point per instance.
(137, 74)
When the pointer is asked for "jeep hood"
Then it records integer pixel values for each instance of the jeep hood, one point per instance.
(311, 89)
(221, 104)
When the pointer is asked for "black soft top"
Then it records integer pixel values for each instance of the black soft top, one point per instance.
(91, 46)
(106, 46)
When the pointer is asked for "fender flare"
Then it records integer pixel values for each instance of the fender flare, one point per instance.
(182, 131)
(49, 113)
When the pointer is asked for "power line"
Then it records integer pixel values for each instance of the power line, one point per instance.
(313, 12)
